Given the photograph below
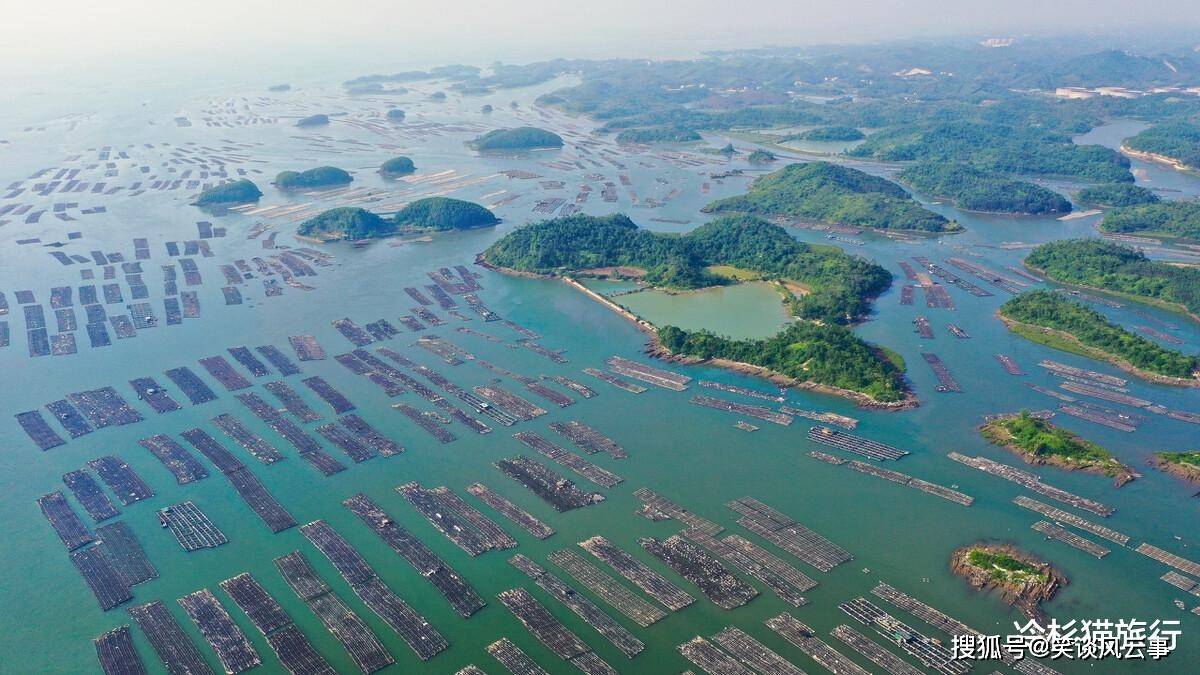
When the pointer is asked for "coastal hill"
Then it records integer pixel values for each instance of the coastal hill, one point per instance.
(830, 133)
(1054, 320)
(1119, 269)
(397, 166)
(1116, 195)
(520, 138)
(1037, 441)
(234, 192)
(1171, 219)
(1024, 581)
(395, 115)
(822, 285)
(973, 189)
(1185, 465)
(322, 176)
(443, 213)
(836, 194)
(318, 120)
(1177, 143)
(346, 222)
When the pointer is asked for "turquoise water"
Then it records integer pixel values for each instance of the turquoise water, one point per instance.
(690, 454)
(745, 310)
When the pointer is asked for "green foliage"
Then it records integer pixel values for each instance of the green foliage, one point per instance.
(646, 135)
(1054, 311)
(1003, 567)
(834, 194)
(397, 166)
(444, 213)
(821, 353)
(1178, 140)
(395, 115)
(318, 120)
(1042, 439)
(761, 157)
(1175, 218)
(1189, 459)
(520, 138)
(831, 133)
(974, 189)
(346, 223)
(1116, 195)
(234, 192)
(1120, 269)
(322, 176)
(998, 147)
(841, 284)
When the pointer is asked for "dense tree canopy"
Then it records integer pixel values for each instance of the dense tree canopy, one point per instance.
(1116, 195)
(1041, 439)
(831, 133)
(318, 120)
(322, 176)
(444, 213)
(1179, 141)
(233, 192)
(520, 138)
(975, 189)
(346, 223)
(1176, 218)
(398, 166)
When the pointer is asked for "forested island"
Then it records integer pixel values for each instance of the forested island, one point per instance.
(1037, 441)
(1023, 581)
(998, 147)
(1171, 219)
(322, 176)
(1176, 143)
(830, 193)
(1116, 195)
(519, 138)
(443, 213)
(318, 120)
(826, 287)
(1051, 319)
(830, 133)
(397, 166)
(234, 192)
(761, 156)
(395, 115)
(1186, 464)
(350, 223)
(1119, 269)
(974, 189)
(647, 135)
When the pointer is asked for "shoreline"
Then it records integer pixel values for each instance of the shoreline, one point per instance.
(1158, 159)
(1188, 474)
(1094, 353)
(655, 349)
(1165, 305)
(1120, 479)
(1025, 597)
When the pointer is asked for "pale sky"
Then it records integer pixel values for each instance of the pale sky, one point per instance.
(83, 33)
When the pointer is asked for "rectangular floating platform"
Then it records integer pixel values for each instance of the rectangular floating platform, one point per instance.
(930, 652)
(589, 612)
(191, 527)
(618, 382)
(368, 434)
(292, 402)
(70, 418)
(758, 411)
(1069, 538)
(577, 387)
(555, 397)
(116, 653)
(560, 493)
(551, 632)
(805, 639)
(1059, 516)
(353, 332)
(307, 348)
(38, 430)
(1009, 365)
(102, 578)
(648, 374)
(855, 444)
(909, 481)
(1032, 482)
(1167, 558)
(152, 392)
(588, 439)
(607, 589)
(638, 573)
(122, 549)
(244, 356)
(253, 443)
(173, 646)
(224, 373)
(121, 479)
(511, 403)
(350, 444)
(789, 535)
(192, 386)
(582, 467)
(513, 659)
(333, 397)
(277, 358)
(881, 657)
(234, 651)
(89, 494)
(460, 594)
(710, 659)
(946, 380)
(364, 647)
(526, 520)
(66, 523)
(420, 635)
(786, 587)
(461, 523)
(753, 653)
(104, 407)
(292, 647)
(657, 507)
(426, 422)
(694, 564)
(175, 458)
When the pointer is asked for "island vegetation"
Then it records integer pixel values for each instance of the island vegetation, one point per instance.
(318, 120)
(279, 87)
(829, 133)
(1054, 320)
(1176, 143)
(647, 135)
(1037, 441)
(1121, 270)
(349, 223)
(1116, 195)
(437, 96)
(761, 156)
(322, 176)
(486, 109)
(443, 213)
(395, 115)
(973, 189)
(240, 191)
(829, 193)
(520, 138)
(1024, 581)
(1170, 219)
(397, 166)
(1185, 465)
(824, 286)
